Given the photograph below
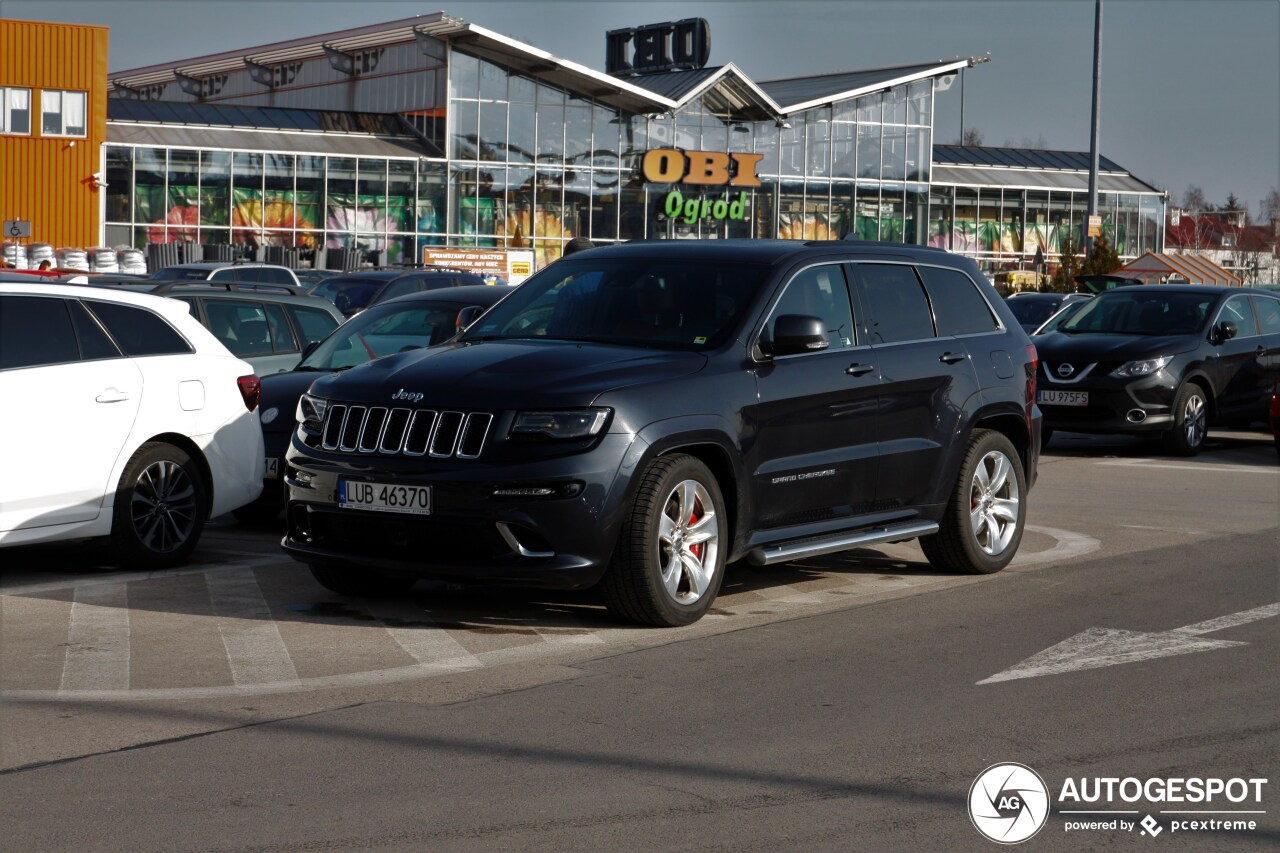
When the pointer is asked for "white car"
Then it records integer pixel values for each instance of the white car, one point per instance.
(123, 417)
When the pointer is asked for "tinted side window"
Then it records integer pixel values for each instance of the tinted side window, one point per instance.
(281, 335)
(400, 287)
(958, 307)
(137, 331)
(94, 343)
(896, 306)
(313, 324)
(820, 292)
(1236, 310)
(1268, 310)
(223, 275)
(35, 330)
(241, 326)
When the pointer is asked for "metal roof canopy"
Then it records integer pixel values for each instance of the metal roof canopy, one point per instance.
(646, 94)
(1037, 179)
(1018, 158)
(802, 93)
(243, 139)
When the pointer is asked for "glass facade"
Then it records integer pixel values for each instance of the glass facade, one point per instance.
(531, 165)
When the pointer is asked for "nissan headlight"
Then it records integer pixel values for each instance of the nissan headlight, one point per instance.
(569, 424)
(1143, 367)
(311, 412)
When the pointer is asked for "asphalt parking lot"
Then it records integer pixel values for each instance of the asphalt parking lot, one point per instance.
(100, 665)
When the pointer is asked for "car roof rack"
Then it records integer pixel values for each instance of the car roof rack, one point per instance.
(197, 285)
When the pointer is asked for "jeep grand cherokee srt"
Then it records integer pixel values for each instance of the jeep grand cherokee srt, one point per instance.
(638, 416)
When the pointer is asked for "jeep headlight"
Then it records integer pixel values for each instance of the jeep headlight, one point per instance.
(311, 412)
(572, 423)
(1143, 367)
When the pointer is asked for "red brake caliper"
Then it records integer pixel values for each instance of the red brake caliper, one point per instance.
(693, 519)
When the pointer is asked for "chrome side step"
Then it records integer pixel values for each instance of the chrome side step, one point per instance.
(769, 555)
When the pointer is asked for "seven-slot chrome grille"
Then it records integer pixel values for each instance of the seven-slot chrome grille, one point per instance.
(407, 432)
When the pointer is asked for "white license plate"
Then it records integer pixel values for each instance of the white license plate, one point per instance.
(271, 469)
(384, 497)
(1063, 398)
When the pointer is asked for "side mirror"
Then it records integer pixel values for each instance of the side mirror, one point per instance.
(308, 349)
(467, 316)
(1224, 331)
(797, 333)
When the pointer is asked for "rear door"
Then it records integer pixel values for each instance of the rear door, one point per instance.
(81, 397)
(925, 380)
(813, 460)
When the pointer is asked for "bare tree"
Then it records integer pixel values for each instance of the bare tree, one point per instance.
(1271, 206)
(1193, 199)
(1037, 144)
(971, 137)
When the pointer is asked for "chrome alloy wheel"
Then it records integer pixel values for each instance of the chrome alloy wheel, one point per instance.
(163, 506)
(688, 541)
(1194, 417)
(993, 503)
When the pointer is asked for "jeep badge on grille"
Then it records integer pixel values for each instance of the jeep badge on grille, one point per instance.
(411, 396)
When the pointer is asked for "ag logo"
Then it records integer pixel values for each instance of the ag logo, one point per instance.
(1008, 803)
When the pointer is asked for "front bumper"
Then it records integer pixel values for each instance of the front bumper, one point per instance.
(562, 541)
(1136, 406)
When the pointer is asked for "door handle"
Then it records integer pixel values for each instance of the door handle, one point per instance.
(859, 369)
(951, 357)
(112, 395)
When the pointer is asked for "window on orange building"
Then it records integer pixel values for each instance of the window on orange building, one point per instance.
(62, 113)
(15, 111)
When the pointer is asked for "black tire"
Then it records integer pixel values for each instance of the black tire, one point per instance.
(1046, 433)
(633, 586)
(359, 582)
(1187, 437)
(161, 506)
(262, 512)
(956, 546)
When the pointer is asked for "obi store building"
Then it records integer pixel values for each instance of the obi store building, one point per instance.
(432, 131)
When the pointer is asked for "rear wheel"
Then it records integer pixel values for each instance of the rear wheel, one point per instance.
(160, 508)
(1190, 421)
(359, 582)
(669, 562)
(982, 525)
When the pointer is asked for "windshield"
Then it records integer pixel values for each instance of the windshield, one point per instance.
(384, 331)
(1064, 314)
(655, 302)
(1033, 312)
(1137, 312)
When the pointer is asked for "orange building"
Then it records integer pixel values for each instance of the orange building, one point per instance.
(53, 121)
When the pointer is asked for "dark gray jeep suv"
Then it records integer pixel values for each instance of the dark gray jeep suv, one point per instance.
(638, 416)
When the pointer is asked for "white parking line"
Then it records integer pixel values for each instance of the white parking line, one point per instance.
(434, 645)
(98, 640)
(1207, 467)
(255, 649)
(130, 577)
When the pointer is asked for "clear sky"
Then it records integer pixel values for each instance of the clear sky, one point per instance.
(1190, 88)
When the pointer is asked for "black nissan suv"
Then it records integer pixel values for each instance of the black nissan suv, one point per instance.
(639, 415)
(1162, 360)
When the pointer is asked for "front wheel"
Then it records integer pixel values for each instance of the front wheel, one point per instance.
(160, 508)
(669, 563)
(982, 525)
(1190, 421)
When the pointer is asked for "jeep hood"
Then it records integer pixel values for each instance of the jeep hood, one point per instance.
(506, 374)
